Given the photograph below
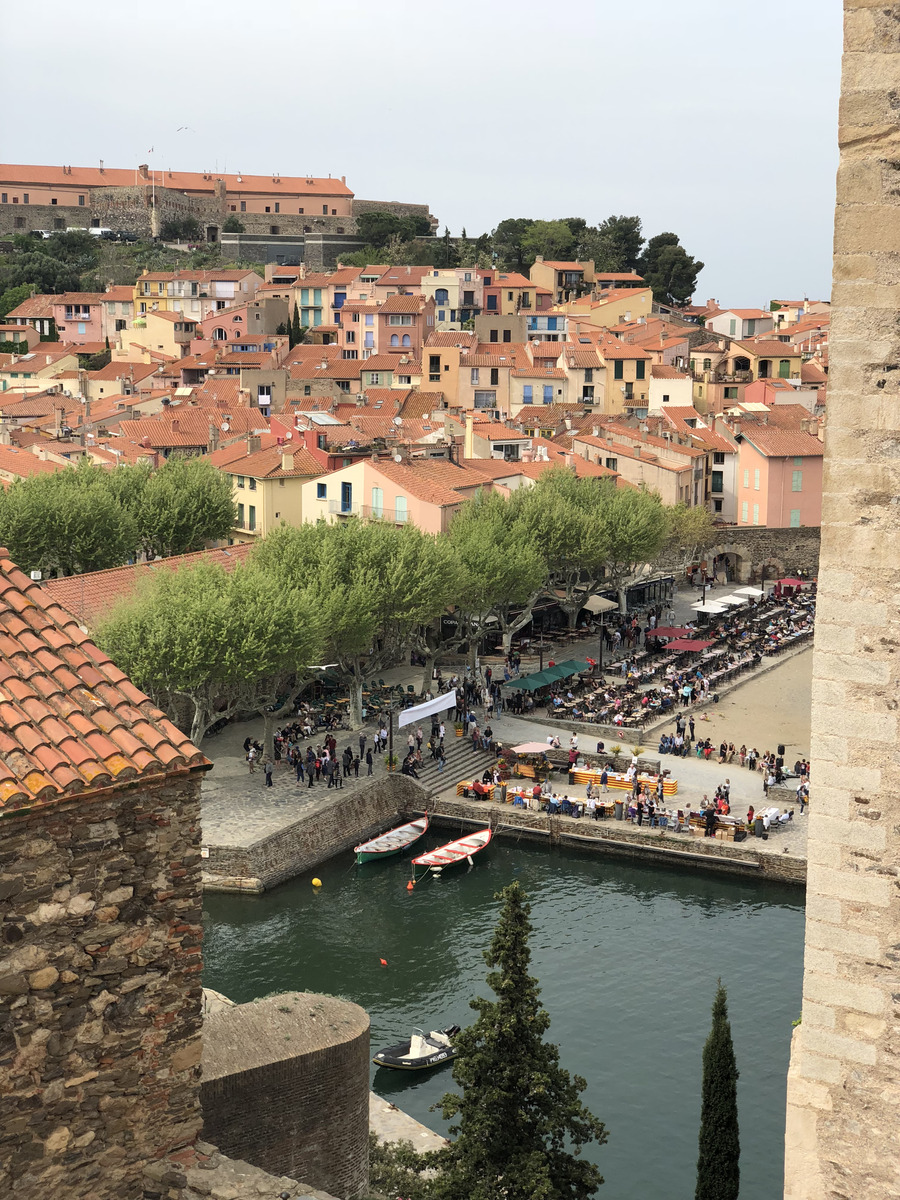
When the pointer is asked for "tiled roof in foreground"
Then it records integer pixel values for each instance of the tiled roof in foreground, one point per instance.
(70, 721)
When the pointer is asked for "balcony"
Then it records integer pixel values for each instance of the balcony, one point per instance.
(366, 512)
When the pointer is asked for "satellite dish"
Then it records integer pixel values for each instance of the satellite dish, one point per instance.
(398, 458)
(398, 421)
(225, 426)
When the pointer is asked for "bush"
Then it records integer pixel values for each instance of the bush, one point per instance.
(232, 225)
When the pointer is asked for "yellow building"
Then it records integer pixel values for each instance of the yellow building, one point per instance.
(612, 307)
(565, 280)
(267, 484)
(166, 332)
(627, 380)
(197, 294)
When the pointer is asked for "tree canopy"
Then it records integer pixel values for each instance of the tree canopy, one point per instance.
(520, 1123)
(669, 270)
(204, 642)
(91, 518)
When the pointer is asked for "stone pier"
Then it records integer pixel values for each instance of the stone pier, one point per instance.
(843, 1092)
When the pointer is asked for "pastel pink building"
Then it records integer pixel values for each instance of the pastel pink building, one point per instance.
(779, 474)
(79, 317)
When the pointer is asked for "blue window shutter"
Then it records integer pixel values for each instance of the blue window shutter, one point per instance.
(548, 393)
(526, 394)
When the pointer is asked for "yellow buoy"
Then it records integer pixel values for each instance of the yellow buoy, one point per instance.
(317, 882)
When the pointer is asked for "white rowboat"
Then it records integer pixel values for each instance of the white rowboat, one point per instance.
(454, 852)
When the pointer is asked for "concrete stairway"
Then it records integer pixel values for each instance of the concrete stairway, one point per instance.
(462, 762)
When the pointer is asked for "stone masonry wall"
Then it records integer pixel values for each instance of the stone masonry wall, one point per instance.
(843, 1094)
(100, 1011)
(286, 1087)
(346, 819)
(770, 553)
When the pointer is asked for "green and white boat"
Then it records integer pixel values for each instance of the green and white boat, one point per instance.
(393, 841)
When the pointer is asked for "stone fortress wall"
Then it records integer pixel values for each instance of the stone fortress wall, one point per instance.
(844, 1082)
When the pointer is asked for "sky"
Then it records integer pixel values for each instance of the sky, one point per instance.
(713, 120)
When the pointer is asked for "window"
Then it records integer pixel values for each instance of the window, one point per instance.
(350, 337)
(548, 393)
(474, 375)
(321, 491)
(527, 394)
(374, 378)
(81, 201)
(509, 295)
(494, 336)
(346, 497)
(755, 514)
(551, 323)
(717, 506)
(485, 399)
(20, 222)
(349, 354)
(251, 484)
(441, 296)
(731, 393)
(491, 300)
(495, 376)
(274, 230)
(795, 518)
(612, 464)
(395, 339)
(400, 319)
(507, 335)
(434, 368)
(719, 457)
(756, 480)
(744, 512)
(299, 210)
(370, 319)
(268, 209)
(587, 393)
(369, 340)
(404, 341)
(240, 516)
(25, 198)
(588, 374)
(732, 328)
(324, 210)
(251, 517)
(400, 510)
(717, 481)
(4, 198)
(264, 393)
(796, 481)
(640, 368)
(307, 389)
(377, 501)
(665, 398)
(784, 368)
(746, 479)
(277, 207)
(618, 369)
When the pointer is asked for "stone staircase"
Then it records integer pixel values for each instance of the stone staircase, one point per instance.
(462, 762)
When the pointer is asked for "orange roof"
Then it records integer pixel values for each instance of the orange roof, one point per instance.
(164, 315)
(770, 349)
(267, 463)
(93, 595)
(180, 181)
(25, 464)
(562, 266)
(404, 276)
(403, 304)
(35, 307)
(618, 276)
(749, 314)
(661, 371)
(70, 721)
(781, 443)
(382, 362)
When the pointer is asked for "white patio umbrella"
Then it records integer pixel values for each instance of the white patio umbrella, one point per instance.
(750, 591)
(734, 600)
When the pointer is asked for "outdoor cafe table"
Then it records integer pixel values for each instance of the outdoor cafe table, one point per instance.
(619, 781)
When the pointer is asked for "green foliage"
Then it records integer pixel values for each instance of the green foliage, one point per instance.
(669, 270)
(232, 224)
(551, 239)
(184, 504)
(378, 228)
(689, 531)
(204, 642)
(13, 347)
(13, 297)
(396, 1169)
(622, 238)
(295, 329)
(520, 1121)
(66, 523)
(508, 244)
(718, 1164)
(181, 229)
(92, 518)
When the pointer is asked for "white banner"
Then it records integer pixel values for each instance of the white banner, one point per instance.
(441, 703)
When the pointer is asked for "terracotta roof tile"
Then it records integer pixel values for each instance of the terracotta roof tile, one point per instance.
(57, 737)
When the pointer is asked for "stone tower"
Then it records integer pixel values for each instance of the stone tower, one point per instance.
(844, 1082)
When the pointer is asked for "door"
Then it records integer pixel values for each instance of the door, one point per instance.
(346, 497)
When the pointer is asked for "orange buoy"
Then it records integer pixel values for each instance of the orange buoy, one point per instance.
(410, 886)
(383, 961)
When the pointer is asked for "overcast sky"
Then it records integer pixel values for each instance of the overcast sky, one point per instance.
(715, 120)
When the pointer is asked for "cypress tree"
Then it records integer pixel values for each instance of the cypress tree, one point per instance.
(296, 333)
(718, 1164)
(520, 1121)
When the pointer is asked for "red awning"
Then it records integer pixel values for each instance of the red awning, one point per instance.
(688, 644)
(792, 582)
(668, 631)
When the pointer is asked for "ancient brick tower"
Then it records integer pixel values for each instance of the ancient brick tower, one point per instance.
(844, 1083)
(99, 914)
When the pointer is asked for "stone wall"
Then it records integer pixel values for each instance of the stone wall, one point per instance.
(770, 554)
(621, 839)
(843, 1094)
(286, 1087)
(99, 989)
(398, 207)
(41, 216)
(345, 820)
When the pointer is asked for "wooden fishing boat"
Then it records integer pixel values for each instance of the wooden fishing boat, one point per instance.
(393, 841)
(419, 1052)
(454, 852)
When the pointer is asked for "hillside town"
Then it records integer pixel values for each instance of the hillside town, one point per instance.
(395, 392)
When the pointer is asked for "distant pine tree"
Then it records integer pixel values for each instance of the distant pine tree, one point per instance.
(718, 1165)
(296, 333)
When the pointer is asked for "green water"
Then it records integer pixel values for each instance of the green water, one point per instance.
(627, 958)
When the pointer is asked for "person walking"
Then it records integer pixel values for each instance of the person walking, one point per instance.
(299, 766)
(442, 760)
(369, 761)
(362, 745)
(356, 765)
(604, 780)
(268, 768)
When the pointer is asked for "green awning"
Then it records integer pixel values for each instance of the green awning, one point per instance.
(574, 666)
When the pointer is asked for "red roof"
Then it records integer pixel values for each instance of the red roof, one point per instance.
(180, 181)
(70, 721)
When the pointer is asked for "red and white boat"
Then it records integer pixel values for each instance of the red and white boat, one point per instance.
(454, 852)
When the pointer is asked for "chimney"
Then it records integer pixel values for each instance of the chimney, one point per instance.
(287, 462)
(736, 427)
(176, 426)
(213, 438)
(595, 431)
(144, 171)
(253, 443)
(469, 444)
(568, 422)
(820, 431)
(637, 450)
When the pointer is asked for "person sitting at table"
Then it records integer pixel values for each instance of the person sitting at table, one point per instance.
(486, 777)
(480, 790)
(552, 804)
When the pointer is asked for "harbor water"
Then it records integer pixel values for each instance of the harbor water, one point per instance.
(627, 957)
